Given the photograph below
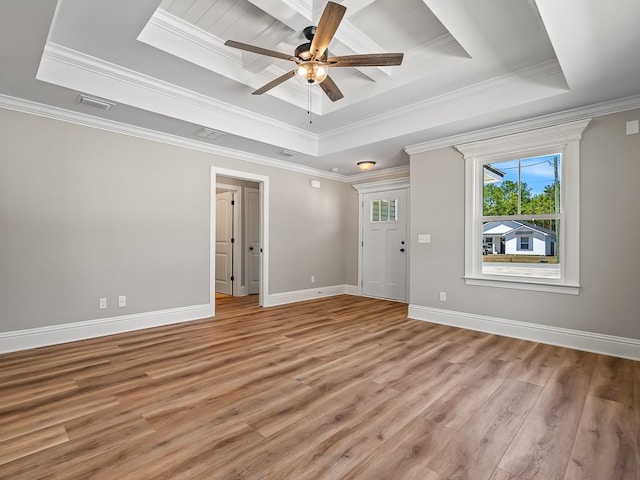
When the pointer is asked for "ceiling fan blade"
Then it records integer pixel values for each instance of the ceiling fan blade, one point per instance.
(367, 60)
(327, 26)
(259, 50)
(331, 89)
(275, 83)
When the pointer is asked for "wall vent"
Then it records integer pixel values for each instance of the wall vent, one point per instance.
(208, 133)
(95, 102)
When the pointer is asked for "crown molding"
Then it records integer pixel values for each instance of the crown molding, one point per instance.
(575, 114)
(382, 186)
(73, 69)
(56, 113)
(415, 117)
(553, 136)
(400, 170)
(184, 40)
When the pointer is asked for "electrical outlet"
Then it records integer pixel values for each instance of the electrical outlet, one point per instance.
(122, 301)
(103, 303)
(313, 279)
(443, 296)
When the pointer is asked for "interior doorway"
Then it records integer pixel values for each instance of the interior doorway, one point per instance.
(239, 232)
(237, 237)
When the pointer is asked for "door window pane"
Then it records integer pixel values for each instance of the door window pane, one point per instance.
(384, 211)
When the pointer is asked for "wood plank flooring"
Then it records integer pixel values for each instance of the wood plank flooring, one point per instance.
(337, 388)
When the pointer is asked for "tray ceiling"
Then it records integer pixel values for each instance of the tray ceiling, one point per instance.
(468, 65)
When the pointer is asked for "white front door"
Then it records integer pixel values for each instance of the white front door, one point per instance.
(252, 231)
(224, 244)
(385, 245)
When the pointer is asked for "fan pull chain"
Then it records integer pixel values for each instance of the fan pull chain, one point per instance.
(309, 105)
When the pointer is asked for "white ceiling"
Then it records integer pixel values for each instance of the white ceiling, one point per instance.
(468, 65)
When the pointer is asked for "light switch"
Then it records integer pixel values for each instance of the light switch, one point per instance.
(424, 238)
(633, 127)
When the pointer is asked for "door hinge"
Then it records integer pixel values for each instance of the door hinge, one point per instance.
(362, 244)
(232, 279)
(233, 202)
(233, 240)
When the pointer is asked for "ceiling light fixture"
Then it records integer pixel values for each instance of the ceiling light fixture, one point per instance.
(312, 71)
(366, 165)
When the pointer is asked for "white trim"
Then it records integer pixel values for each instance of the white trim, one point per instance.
(564, 337)
(71, 332)
(263, 182)
(382, 186)
(309, 294)
(455, 105)
(589, 111)
(524, 143)
(563, 139)
(385, 172)
(527, 284)
(376, 187)
(64, 115)
(73, 69)
(184, 40)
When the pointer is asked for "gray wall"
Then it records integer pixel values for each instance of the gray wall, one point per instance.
(86, 213)
(609, 265)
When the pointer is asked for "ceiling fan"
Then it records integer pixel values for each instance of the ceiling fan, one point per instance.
(312, 57)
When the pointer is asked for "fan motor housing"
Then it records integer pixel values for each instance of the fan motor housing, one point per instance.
(303, 52)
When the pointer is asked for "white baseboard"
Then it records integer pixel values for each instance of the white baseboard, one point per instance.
(71, 332)
(309, 294)
(577, 339)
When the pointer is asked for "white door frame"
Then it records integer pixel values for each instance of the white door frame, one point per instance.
(375, 187)
(238, 266)
(247, 240)
(263, 182)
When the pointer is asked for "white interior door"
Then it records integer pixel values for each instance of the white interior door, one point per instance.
(385, 246)
(224, 244)
(252, 231)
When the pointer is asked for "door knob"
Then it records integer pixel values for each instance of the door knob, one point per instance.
(402, 249)
(250, 248)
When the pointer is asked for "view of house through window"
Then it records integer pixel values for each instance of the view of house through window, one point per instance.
(521, 217)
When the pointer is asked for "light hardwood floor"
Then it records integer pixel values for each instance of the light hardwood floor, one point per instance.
(338, 388)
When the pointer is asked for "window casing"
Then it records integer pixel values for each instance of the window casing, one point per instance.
(560, 139)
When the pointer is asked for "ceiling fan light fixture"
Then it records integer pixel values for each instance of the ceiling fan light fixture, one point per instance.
(312, 71)
(366, 165)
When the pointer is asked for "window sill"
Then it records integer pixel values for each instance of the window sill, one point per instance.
(517, 284)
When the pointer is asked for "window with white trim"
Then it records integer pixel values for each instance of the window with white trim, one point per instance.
(522, 209)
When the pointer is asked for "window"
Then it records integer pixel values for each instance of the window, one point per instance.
(384, 211)
(524, 244)
(522, 210)
(521, 204)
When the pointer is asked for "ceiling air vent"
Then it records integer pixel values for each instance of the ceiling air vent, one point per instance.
(287, 153)
(95, 102)
(208, 133)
